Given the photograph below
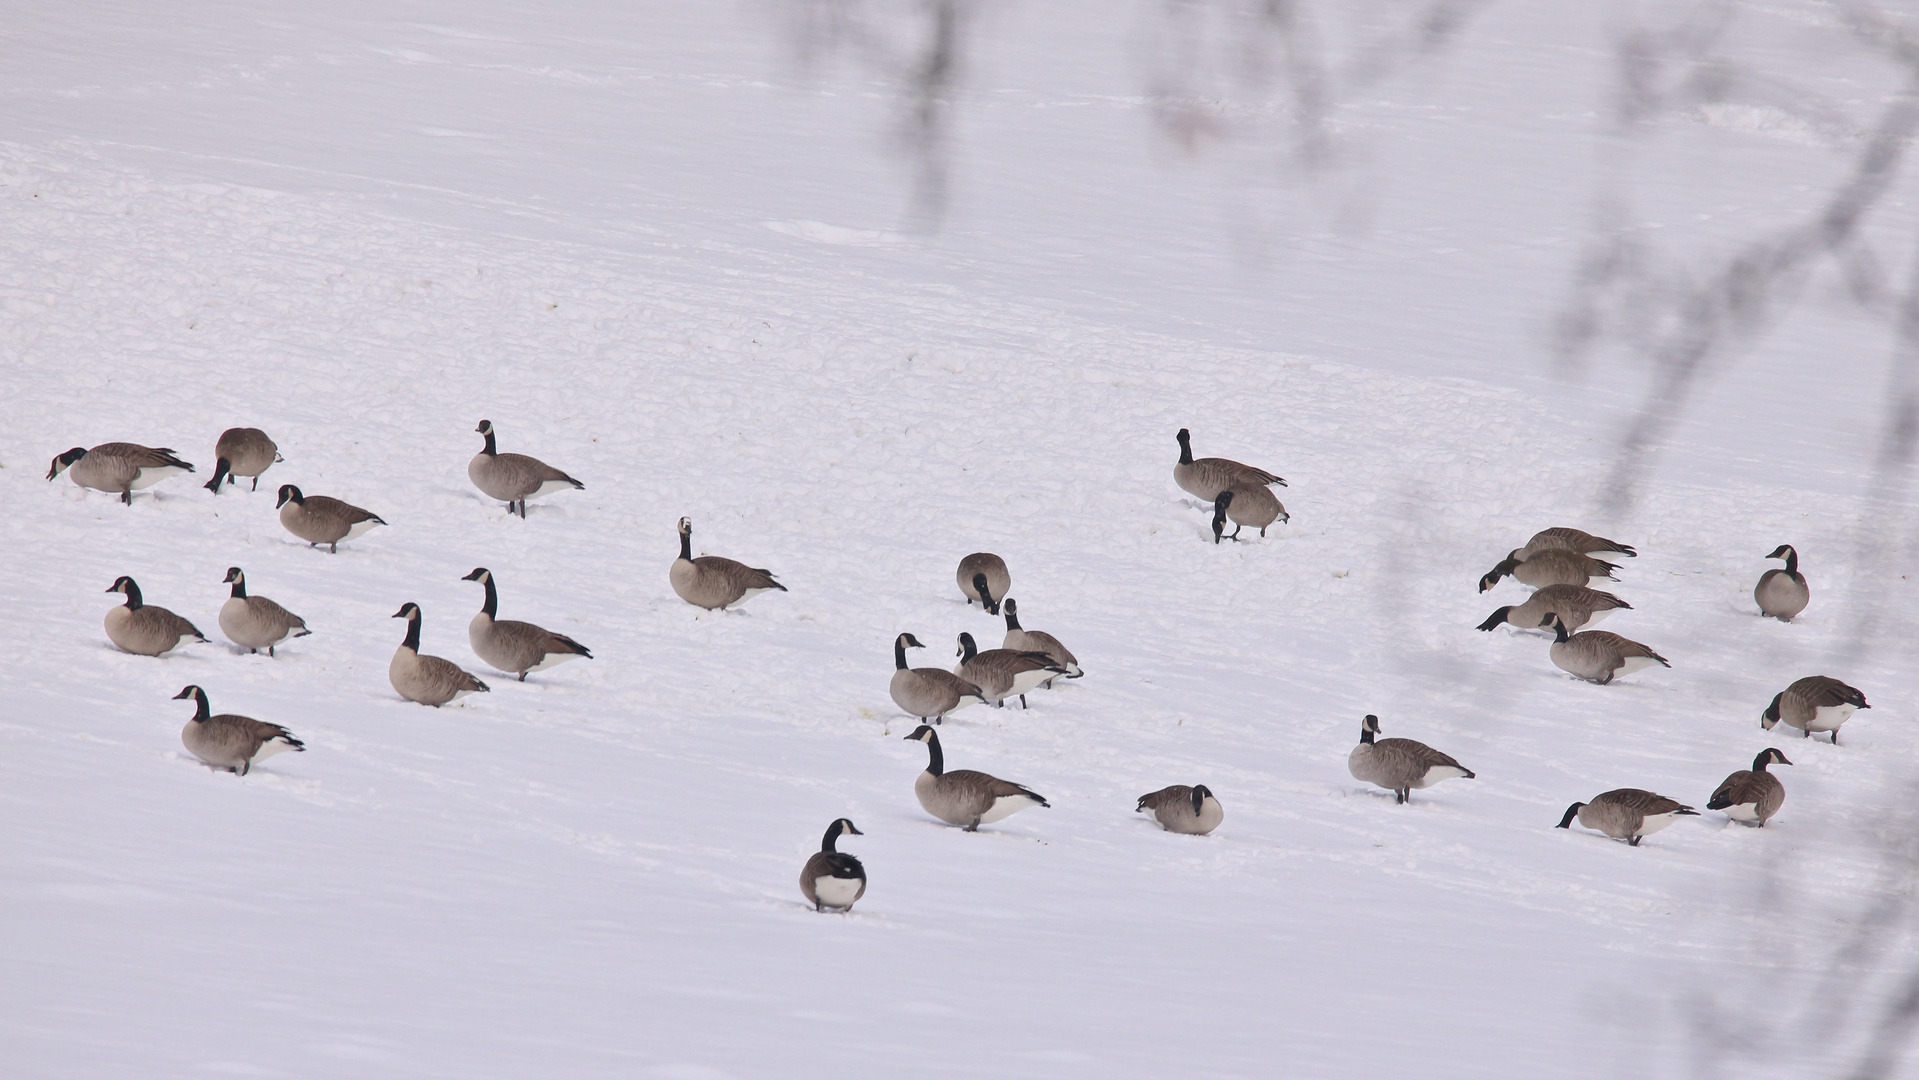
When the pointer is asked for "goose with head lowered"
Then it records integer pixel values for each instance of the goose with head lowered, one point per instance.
(242, 451)
(514, 478)
(1814, 703)
(1578, 541)
(1399, 765)
(928, 693)
(515, 647)
(1782, 594)
(1577, 606)
(963, 797)
(254, 622)
(712, 582)
(1004, 673)
(1752, 795)
(1554, 566)
(233, 743)
(145, 630)
(428, 680)
(1182, 809)
(1019, 639)
(1247, 505)
(832, 880)
(1628, 814)
(1597, 655)
(321, 519)
(119, 467)
(1205, 478)
(983, 576)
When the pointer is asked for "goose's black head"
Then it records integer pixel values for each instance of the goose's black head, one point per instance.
(480, 573)
(289, 493)
(1557, 625)
(1185, 440)
(485, 427)
(908, 641)
(923, 733)
(1770, 717)
(409, 611)
(1368, 728)
(1769, 756)
(125, 584)
(1496, 617)
(1567, 821)
(1219, 513)
(967, 648)
(61, 463)
(1782, 551)
(845, 827)
(686, 526)
(1200, 794)
(193, 692)
(233, 575)
(985, 594)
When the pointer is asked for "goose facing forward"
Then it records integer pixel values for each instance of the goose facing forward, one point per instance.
(515, 647)
(254, 622)
(321, 519)
(1181, 809)
(1782, 594)
(1399, 765)
(712, 582)
(1246, 504)
(1554, 566)
(233, 743)
(1578, 541)
(1004, 673)
(428, 680)
(242, 451)
(514, 478)
(1752, 795)
(964, 797)
(1578, 606)
(1205, 478)
(928, 693)
(983, 576)
(1814, 703)
(1020, 639)
(119, 467)
(1597, 655)
(1628, 814)
(832, 879)
(142, 629)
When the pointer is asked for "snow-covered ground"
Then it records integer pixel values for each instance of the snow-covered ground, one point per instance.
(658, 258)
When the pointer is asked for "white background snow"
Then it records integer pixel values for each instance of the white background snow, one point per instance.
(661, 255)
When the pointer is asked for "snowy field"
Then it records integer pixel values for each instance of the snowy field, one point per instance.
(659, 255)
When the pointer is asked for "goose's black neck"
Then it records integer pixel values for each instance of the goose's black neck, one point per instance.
(1012, 617)
(1560, 636)
(1792, 564)
(1199, 800)
(1185, 447)
(832, 834)
(412, 634)
(985, 595)
(489, 451)
(935, 761)
(1772, 710)
(899, 654)
(239, 586)
(1219, 520)
(133, 596)
(968, 650)
(1366, 735)
(200, 711)
(686, 546)
(220, 470)
(1759, 763)
(492, 605)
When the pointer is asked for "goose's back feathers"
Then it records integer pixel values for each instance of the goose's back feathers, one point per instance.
(520, 647)
(1749, 795)
(430, 680)
(970, 799)
(931, 693)
(236, 743)
(1577, 605)
(255, 622)
(148, 630)
(120, 467)
(711, 581)
(1578, 541)
(512, 477)
(1172, 808)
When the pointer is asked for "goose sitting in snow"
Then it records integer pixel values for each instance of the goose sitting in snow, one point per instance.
(1182, 809)
(145, 630)
(713, 582)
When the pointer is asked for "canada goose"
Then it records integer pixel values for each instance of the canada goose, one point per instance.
(1182, 809)
(1597, 655)
(515, 647)
(966, 798)
(1205, 478)
(928, 693)
(1022, 640)
(1399, 765)
(254, 622)
(1004, 673)
(118, 466)
(1752, 794)
(514, 478)
(832, 878)
(1577, 605)
(428, 680)
(1554, 566)
(1814, 703)
(983, 576)
(712, 582)
(318, 519)
(145, 630)
(1782, 594)
(233, 743)
(1626, 813)
(1578, 541)
(1246, 504)
(242, 451)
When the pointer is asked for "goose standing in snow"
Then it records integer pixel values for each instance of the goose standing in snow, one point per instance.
(1576, 605)
(233, 743)
(712, 582)
(1019, 639)
(1554, 566)
(515, 647)
(145, 630)
(242, 451)
(1003, 673)
(1596, 655)
(832, 879)
(964, 797)
(514, 478)
(928, 693)
(320, 519)
(428, 680)
(1782, 594)
(254, 622)
(1752, 795)
(1628, 814)
(1399, 765)
(1577, 541)
(120, 467)
(1205, 478)
(1246, 504)
(983, 576)
(1182, 809)
(1814, 703)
